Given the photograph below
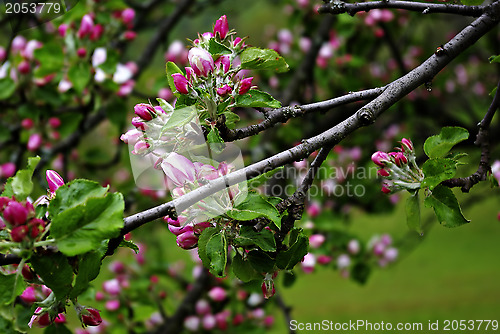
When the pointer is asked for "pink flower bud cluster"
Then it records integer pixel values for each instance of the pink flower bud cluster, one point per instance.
(204, 72)
(206, 319)
(19, 219)
(399, 168)
(382, 249)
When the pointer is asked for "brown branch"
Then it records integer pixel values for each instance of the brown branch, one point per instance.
(482, 140)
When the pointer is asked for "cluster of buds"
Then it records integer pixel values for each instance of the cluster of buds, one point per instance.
(187, 233)
(19, 219)
(399, 168)
(214, 81)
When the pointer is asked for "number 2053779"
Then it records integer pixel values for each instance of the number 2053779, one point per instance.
(32, 7)
(471, 325)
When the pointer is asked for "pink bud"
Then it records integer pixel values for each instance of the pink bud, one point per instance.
(386, 239)
(245, 85)
(224, 90)
(208, 322)
(202, 307)
(54, 122)
(383, 172)
(217, 294)
(236, 41)
(201, 61)
(129, 35)
(112, 287)
(24, 67)
(36, 226)
(225, 62)
(40, 319)
(34, 142)
(407, 145)
(112, 305)
(27, 123)
(378, 248)
(192, 323)
(128, 15)
(343, 261)
(165, 94)
(268, 289)
(3, 54)
(54, 180)
(316, 240)
(187, 240)
(131, 136)
(314, 209)
(181, 229)
(18, 44)
(141, 147)
(91, 317)
(60, 318)
(7, 170)
(221, 27)
(97, 32)
(380, 158)
(145, 111)
(308, 263)
(221, 319)
(29, 295)
(86, 26)
(179, 169)
(324, 259)
(81, 52)
(386, 190)
(391, 254)
(19, 233)
(353, 247)
(180, 83)
(399, 158)
(62, 29)
(15, 213)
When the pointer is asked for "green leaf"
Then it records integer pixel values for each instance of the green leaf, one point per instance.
(472, 2)
(263, 178)
(437, 146)
(9, 288)
(129, 244)
(446, 207)
(205, 236)
(260, 261)
(7, 88)
(288, 259)
(89, 265)
(494, 59)
(55, 272)
(289, 279)
(360, 272)
(79, 75)
(263, 239)
(180, 117)
(216, 250)
(21, 184)
(255, 98)
(231, 119)
(165, 105)
(262, 59)
(75, 193)
(82, 228)
(57, 329)
(413, 213)
(255, 206)
(172, 68)
(6, 326)
(51, 59)
(243, 269)
(216, 48)
(437, 170)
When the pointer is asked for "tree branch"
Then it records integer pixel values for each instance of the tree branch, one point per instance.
(482, 140)
(285, 113)
(424, 8)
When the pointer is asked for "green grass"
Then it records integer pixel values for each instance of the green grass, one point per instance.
(452, 274)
